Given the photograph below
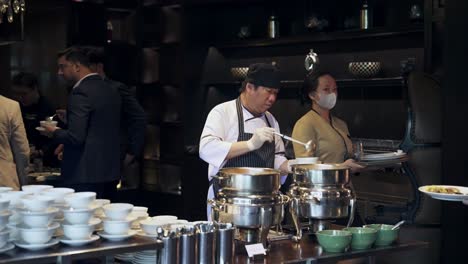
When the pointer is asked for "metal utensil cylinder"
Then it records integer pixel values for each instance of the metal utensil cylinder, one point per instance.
(206, 247)
(187, 249)
(224, 244)
(170, 249)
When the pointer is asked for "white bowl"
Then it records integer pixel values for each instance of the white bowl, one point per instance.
(36, 203)
(117, 227)
(117, 211)
(48, 123)
(38, 235)
(4, 236)
(5, 189)
(150, 226)
(14, 232)
(138, 219)
(78, 232)
(307, 160)
(165, 217)
(140, 209)
(4, 218)
(99, 203)
(14, 197)
(36, 188)
(38, 219)
(58, 194)
(4, 204)
(80, 200)
(78, 216)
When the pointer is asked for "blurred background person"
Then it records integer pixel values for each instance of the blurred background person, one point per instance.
(90, 141)
(14, 146)
(34, 108)
(132, 122)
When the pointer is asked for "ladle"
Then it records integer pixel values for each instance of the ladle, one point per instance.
(50, 118)
(398, 224)
(308, 146)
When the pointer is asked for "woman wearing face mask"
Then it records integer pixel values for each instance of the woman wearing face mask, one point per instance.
(329, 133)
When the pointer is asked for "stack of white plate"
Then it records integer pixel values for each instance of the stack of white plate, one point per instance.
(145, 257)
(125, 257)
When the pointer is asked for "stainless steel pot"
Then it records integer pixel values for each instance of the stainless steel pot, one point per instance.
(241, 181)
(320, 192)
(308, 175)
(249, 212)
(321, 203)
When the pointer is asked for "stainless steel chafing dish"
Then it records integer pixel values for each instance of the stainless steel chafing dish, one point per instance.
(320, 192)
(250, 199)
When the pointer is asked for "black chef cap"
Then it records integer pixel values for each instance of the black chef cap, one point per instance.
(263, 74)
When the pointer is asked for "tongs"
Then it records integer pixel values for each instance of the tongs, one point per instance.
(308, 146)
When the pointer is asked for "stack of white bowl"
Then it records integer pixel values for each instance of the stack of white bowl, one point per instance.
(36, 228)
(58, 194)
(4, 231)
(35, 189)
(99, 212)
(140, 213)
(117, 222)
(78, 224)
(15, 202)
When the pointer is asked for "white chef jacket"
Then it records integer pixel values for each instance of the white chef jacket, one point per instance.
(222, 129)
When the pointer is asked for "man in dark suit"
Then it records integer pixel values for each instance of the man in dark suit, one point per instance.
(91, 141)
(133, 122)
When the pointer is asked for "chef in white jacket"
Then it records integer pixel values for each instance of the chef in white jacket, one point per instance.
(239, 133)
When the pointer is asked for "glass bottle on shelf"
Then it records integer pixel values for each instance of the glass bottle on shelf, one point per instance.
(110, 28)
(365, 15)
(273, 27)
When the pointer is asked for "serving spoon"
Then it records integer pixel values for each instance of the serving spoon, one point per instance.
(398, 224)
(50, 118)
(308, 146)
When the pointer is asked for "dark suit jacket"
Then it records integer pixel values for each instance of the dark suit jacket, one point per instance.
(91, 141)
(133, 120)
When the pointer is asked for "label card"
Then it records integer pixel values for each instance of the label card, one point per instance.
(255, 249)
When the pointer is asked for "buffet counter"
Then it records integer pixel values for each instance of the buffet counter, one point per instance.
(64, 254)
(309, 251)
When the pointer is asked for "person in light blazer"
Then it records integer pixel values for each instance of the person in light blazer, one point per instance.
(14, 146)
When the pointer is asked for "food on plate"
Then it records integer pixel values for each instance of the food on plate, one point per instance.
(447, 190)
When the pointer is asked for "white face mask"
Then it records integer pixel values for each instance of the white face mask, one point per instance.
(327, 101)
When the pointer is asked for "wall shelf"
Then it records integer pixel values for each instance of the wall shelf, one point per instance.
(372, 82)
(358, 34)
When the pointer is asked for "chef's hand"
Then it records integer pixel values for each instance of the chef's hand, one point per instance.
(259, 137)
(62, 115)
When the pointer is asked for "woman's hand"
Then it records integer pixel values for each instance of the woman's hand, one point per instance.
(353, 165)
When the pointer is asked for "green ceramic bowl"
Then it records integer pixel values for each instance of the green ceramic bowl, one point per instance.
(385, 234)
(363, 238)
(334, 240)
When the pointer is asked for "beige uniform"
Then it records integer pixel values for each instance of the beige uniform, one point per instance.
(332, 139)
(14, 147)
